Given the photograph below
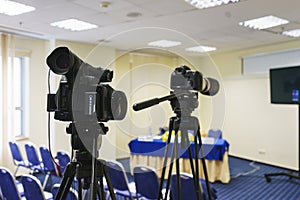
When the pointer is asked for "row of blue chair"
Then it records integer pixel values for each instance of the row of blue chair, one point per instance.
(146, 184)
(45, 165)
(28, 188)
(33, 162)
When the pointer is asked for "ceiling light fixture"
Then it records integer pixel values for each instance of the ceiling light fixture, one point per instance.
(201, 49)
(74, 25)
(201, 4)
(264, 22)
(164, 43)
(292, 33)
(12, 8)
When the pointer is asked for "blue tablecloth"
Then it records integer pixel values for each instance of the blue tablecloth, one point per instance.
(157, 148)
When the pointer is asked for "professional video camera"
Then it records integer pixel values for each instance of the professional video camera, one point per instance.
(184, 99)
(86, 95)
(183, 78)
(186, 84)
(82, 99)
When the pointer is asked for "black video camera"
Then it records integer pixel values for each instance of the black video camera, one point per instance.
(80, 93)
(183, 78)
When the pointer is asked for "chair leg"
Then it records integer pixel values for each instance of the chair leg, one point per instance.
(15, 173)
(45, 181)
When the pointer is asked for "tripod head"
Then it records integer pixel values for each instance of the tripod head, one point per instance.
(82, 147)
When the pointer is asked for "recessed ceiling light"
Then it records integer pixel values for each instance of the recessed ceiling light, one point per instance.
(164, 43)
(201, 49)
(292, 33)
(264, 22)
(209, 3)
(74, 25)
(12, 8)
(134, 14)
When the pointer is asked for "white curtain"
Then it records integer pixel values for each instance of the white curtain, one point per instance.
(6, 123)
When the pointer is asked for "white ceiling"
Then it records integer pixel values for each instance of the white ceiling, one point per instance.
(168, 19)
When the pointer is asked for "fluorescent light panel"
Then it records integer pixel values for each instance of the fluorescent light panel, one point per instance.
(12, 8)
(164, 43)
(74, 25)
(292, 33)
(201, 49)
(264, 22)
(201, 4)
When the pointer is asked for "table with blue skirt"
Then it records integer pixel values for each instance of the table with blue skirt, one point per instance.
(150, 152)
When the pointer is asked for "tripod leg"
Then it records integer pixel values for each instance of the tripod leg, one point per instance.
(204, 166)
(196, 177)
(101, 182)
(165, 160)
(177, 166)
(80, 188)
(109, 185)
(66, 182)
(190, 154)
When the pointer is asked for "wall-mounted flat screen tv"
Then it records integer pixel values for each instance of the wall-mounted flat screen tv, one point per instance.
(285, 85)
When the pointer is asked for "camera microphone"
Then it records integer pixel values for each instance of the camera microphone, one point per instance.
(210, 86)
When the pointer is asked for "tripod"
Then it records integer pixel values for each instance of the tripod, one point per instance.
(184, 123)
(86, 167)
(183, 103)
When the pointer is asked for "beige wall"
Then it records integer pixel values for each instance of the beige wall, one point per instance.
(255, 128)
(142, 76)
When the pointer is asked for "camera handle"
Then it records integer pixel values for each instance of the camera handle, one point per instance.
(155, 101)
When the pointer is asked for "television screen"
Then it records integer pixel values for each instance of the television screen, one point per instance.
(285, 85)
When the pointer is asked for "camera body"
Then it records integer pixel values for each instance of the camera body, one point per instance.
(81, 93)
(183, 78)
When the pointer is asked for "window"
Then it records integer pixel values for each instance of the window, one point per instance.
(20, 71)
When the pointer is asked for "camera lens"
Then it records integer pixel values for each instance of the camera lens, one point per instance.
(118, 105)
(62, 61)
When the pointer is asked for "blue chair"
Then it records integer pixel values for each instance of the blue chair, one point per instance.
(33, 159)
(72, 194)
(188, 188)
(217, 134)
(146, 182)
(49, 167)
(8, 185)
(17, 157)
(63, 160)
(33, 188)
(119, 180)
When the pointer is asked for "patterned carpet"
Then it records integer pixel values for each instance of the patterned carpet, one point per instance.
(248, 182)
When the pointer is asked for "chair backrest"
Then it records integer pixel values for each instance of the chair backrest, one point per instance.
(32, 187)
(186, 185)
(215, 133)
(48, 163)
(146, 181)
(63, 160)
(72, 194)
(32, 155)
(117, 175)
(15, 152)
(8, 185)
